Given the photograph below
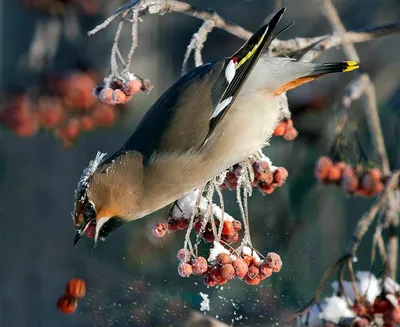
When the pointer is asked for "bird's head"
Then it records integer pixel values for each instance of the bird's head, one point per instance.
(97, 212)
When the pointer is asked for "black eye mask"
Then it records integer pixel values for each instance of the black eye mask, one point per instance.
(112, 224)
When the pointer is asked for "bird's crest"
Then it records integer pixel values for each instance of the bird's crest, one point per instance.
(81, 191)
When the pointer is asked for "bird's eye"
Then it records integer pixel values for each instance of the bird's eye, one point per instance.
(89, 210)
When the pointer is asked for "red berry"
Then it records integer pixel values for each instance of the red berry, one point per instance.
(265, 270)
(182, 223)
(131, 87)
(209, 281)
(266, 178)
(280, 175)
(361, 322)
(227, 271)
(227, 228)
(252, 281)
(231, 181)
(208, 236)
(159, 230)
(223, 258)
(381, 305)
(67, 304)
(91, 230)
(335, 174)
(240, 267)
(290, 134)
(106, 96)
(265, 188)
(172, 225)
(197, 227)
(253, 272)
(280, 129)
(215, 274)
(103, 115)
(322, 168)
(76, 288)
(199, 266)
(183, 255)
(248, 259)
(184, 269)
(274, 261)
(376, 174)
(86, 123)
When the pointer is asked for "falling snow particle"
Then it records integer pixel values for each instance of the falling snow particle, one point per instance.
(205, 304)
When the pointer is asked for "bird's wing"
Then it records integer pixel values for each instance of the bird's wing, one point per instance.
(186, 115)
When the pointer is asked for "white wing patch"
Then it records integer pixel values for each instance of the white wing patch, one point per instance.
(230, 71)
(221, 106)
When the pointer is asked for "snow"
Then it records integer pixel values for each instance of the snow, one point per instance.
(248, 251)
(334, 309)
(390, 285)
(215, 250)
(205, 304)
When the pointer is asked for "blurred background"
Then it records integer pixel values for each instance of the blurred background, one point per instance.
(132, 278)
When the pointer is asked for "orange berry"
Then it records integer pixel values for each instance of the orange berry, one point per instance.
(106, 95)
(76, 288)
(368, 182)
(290, 134)
(252, 281)
(71, 129)
(118, 96)
(184, 269)
(335, 174)
(199, 266)
(67, 304)
(103, 115)
(223, 258)
(51, 112)
(227, 271)
(131, 87)
(265, 270)
(322, 168)
(248, 259)
(159, 230)
(183, 255)
(349, 183)
(253, 272)
(376, 174)
(86, 123)
(227, 228)
(266, 177)
(280, 129)
(240, 267)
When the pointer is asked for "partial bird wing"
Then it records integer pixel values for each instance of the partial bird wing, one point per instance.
(186, 115)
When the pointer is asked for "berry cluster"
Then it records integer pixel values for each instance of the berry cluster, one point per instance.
(120, 92)
(66, 106)
(266, 176)
(352, 179)
(75, 289)
(227, 266)
(285, 128)
(382, 308)
(88, 7)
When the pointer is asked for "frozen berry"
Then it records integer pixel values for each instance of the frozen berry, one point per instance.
(361, 322)
(280, 129)
(184, 269)
(227, 271)
(240, 267)
(106, 96)
(323, 167)
(237, 225)
(118, 96)
(265, 270)
(274, 261)
(253, 272)
(290, 134)
(199, 266)
(131, 87)
(252, 281)
(183, 255)
(172, 225)
(159, 230)
(223, 258)
(215, 274)
(280, 175)
(209, 281)
(182, 223)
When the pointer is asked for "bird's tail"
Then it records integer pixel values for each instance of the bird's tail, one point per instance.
(278, 75)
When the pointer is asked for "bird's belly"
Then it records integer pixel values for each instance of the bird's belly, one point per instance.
(245, 129)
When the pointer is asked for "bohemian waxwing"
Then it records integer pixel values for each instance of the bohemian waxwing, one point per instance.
(212, 118)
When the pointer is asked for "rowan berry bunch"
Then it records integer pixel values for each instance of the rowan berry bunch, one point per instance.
(266, 176)
(227, 265)
(356, 180)
(286, 130)
(65, 105)
(120, 91)
(87, 7)
(75, 289)
(219, 232)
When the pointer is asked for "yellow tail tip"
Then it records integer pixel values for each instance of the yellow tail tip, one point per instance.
(351, 65)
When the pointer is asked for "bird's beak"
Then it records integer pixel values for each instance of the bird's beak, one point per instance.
(80, 231)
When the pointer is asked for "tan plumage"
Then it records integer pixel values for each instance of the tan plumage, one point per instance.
(212, 118)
